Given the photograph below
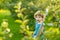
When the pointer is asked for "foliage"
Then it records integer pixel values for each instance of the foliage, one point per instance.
(22, 19)
(5, 32)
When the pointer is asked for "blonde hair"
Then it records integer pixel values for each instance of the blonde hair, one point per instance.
(39, 14)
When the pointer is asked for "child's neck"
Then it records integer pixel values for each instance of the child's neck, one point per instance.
(39, 21)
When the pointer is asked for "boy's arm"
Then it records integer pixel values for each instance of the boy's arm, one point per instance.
(36, 13)
(45, 14)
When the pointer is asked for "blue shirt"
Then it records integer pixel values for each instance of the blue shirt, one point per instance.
(37, 28)
(38, 25)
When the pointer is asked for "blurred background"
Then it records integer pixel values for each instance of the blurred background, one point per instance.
(17, 19)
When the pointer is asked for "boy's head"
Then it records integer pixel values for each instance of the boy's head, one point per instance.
(38, 16)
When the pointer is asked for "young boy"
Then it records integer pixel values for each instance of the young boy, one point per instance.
(39, 27)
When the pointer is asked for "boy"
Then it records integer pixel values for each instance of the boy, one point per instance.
(39, 20)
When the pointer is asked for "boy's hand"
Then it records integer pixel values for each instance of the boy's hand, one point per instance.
(47, 10)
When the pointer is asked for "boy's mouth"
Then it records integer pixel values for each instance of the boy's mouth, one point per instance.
(39, 20)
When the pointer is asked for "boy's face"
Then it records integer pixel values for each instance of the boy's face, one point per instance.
(39, 18)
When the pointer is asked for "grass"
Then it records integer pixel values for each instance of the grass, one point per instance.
(12, 25)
